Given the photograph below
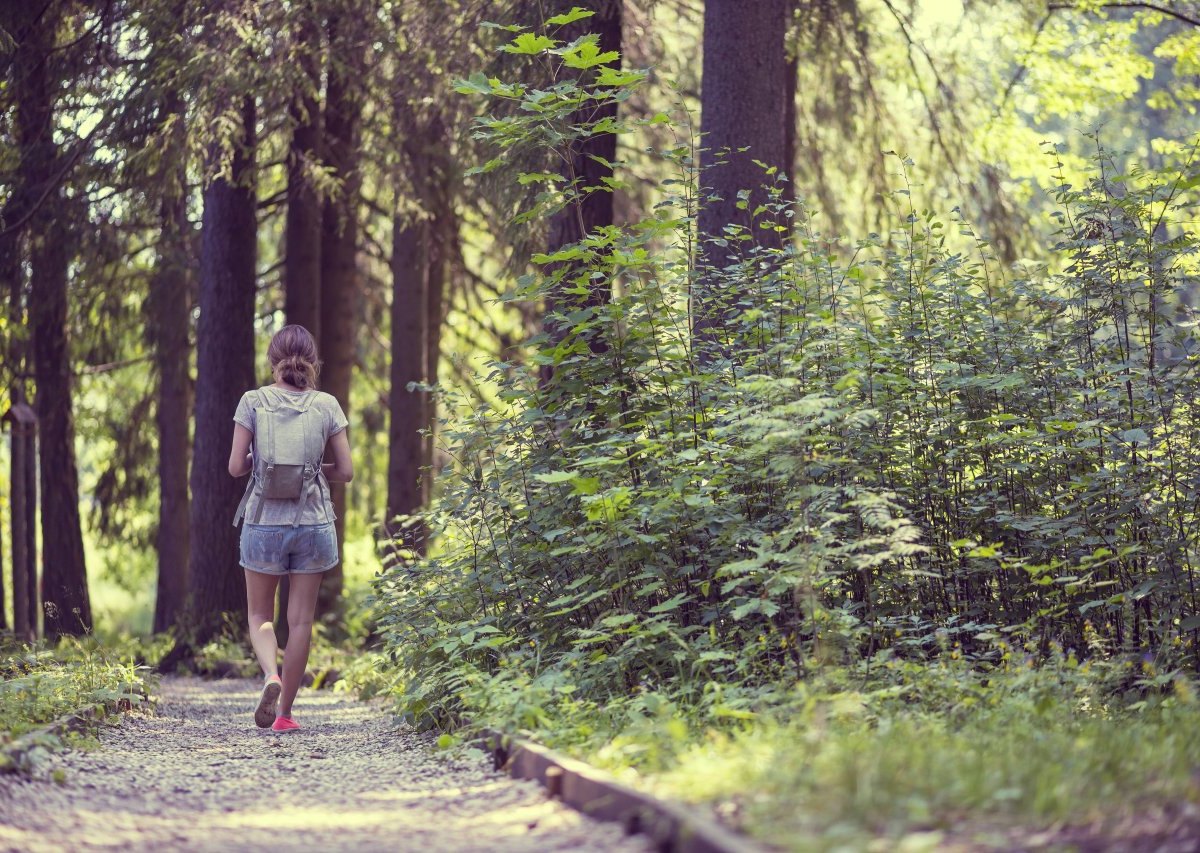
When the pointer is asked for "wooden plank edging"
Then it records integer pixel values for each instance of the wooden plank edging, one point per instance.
(672, 827)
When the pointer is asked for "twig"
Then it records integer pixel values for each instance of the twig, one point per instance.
(1152, 7)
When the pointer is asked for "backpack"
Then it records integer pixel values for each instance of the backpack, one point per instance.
(289, 442)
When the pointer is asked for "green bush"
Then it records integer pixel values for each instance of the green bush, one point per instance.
(887, 447)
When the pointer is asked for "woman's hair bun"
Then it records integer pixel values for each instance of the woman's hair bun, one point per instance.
(293, 357)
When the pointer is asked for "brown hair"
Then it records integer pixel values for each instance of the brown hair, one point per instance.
(293, 357)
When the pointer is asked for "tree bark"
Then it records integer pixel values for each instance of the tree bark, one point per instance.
(169, 310)
(340, 287)
(225, 369)
(571, 224)
(406, 454)
(594, 209)
(441, 232)
(302, 258)
(302, 261)
(742, 104)
(64, 576)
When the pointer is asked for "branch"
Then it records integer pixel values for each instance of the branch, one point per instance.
(1152, 7)
(1024, 65)
(50, 187)
(92, 369)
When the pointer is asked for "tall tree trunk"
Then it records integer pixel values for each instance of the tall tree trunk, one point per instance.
(302, 261)
(441, 231)
(587, 167)
(64, 576)
(595, 209)
(791, 79)
(406, 454)
(169, 309)
(10, 281)
(340, 287)
(742, 103)
(224, 370)
(302, 258)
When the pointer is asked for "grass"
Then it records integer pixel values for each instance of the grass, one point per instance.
(819, 780)
(913, 756)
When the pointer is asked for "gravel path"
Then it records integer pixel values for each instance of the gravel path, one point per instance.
(198, 775)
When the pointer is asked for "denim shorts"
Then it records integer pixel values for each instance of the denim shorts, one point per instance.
(277, 549)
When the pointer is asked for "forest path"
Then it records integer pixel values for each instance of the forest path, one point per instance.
(198, 775)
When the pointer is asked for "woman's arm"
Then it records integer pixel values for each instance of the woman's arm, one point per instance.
(341, 469)
(239, 454)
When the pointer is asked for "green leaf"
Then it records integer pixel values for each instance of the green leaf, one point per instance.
(529, 44)
(1190, 624)
(614, 77)
(577, 13)
(511, 28)
(476, 84)
(568, 254)
(489, 166)
(556, 476)
(672, 603)
(587, 55)
(525, 178)
(585, 485)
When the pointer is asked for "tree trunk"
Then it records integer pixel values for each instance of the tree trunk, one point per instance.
(406, 454)
(169, 310)
(441, 232)
(302, 258)
(742, 103)
(224, 370)
(340, 288)
(302, 261)
(791, 78)
(64, 576)
(595, 209)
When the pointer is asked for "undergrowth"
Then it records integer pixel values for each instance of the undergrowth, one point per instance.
(899, 503)
(41, 684)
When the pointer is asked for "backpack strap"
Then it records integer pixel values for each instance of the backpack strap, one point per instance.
(254, 484)
(303, 501)
(241, 510)
(264, 439)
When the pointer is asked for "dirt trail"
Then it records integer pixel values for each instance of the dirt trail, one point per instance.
(198, 775)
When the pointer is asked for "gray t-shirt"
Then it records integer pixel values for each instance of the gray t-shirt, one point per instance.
(317, 507)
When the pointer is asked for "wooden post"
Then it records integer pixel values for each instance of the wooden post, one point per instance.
(23, 426)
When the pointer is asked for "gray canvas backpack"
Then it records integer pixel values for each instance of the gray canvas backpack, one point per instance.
(289, 441)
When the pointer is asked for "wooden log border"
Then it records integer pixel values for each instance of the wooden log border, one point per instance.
(14, 756)
(671, 827)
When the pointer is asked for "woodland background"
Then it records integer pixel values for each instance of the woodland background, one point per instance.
(304, 162)
(707, 363)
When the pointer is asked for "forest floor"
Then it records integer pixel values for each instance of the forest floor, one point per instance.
(196, 774)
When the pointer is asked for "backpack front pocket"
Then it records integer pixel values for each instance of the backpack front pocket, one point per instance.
(284, 482)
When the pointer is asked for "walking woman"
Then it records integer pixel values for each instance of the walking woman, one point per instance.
(281, 436)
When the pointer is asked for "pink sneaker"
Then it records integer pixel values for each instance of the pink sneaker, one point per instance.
(264, 714)
(285, 724)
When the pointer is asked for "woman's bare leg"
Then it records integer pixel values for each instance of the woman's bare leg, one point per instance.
(302, 604)
(260, 608)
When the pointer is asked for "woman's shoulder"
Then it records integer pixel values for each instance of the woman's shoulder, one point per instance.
(326, 402)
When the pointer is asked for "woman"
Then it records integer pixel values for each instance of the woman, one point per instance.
(289, 518)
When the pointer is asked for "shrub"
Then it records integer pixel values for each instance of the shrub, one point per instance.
(888, 446)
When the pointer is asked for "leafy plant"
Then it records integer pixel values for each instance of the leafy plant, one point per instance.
(889, 446)
(42, 684)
